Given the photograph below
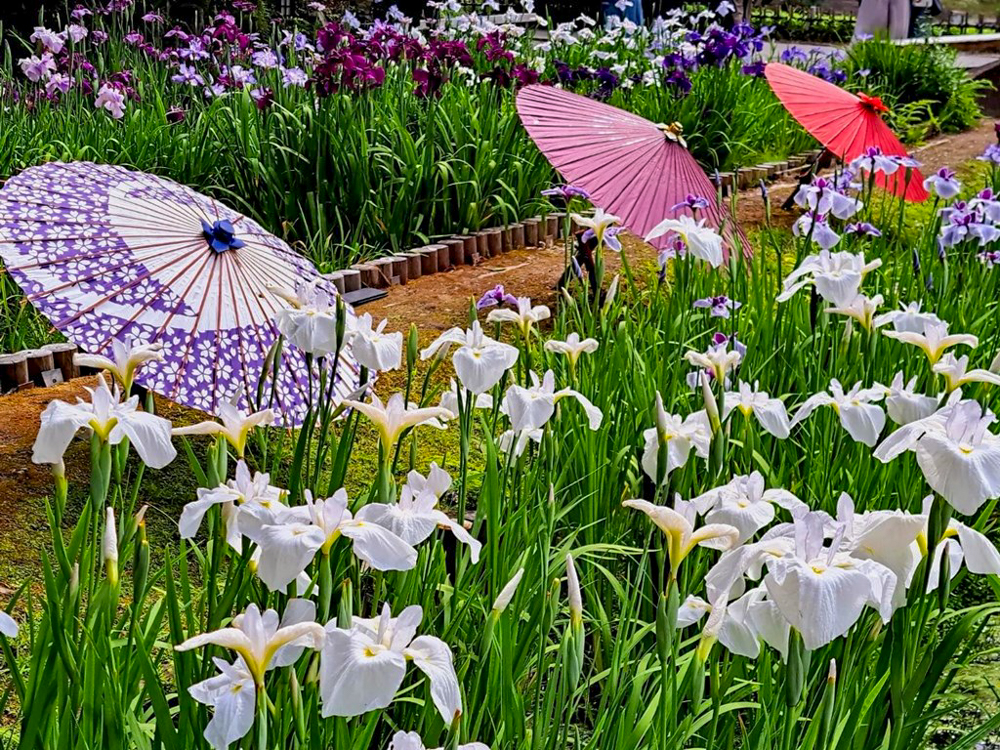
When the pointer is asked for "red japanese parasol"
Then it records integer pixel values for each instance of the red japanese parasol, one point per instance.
(633, 168)
(847, 124)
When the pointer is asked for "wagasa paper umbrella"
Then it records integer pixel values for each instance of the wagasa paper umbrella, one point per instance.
(848, 125)
(640, 171)
(107, 253)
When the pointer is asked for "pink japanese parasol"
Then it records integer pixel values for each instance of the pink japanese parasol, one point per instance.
(633, 168)
(106, 253)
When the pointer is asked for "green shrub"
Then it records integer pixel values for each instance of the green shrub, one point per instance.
(922, 84)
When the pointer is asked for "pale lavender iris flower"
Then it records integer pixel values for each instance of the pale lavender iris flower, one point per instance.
(719, 307)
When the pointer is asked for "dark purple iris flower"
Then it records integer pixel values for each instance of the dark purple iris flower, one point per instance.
(679, 79)
(566, 193)
(264, 98)
(693, 202)
(862, 228)
(719, 307)
(428, 82)
(608, 83)
(721, 340)
(495, 297)
(524, 75)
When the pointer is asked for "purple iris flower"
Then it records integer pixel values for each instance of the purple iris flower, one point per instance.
(294, 77)
(873, 160)
(263, 97)
(815, 225)
(566, 193)
(297, 41)
(236, 77)
(991, 154)
(524, 75)
(943, 184)
(495, 297)
(675, 249)
(611, 240)
(195, 50)
(38, 68)
(862, 228)
(967, 225)
(845, 181)
(722, 341)
(679, 79)
(755, 69)
(265, 58)
(986, 202)
(608, 83)
(956, 208)
(693, 202)
(990, 257)
(178, 32)
(59, 82)
(793, 55)
(822, 196)
(719, 307)
(187, 74)
(820, 70)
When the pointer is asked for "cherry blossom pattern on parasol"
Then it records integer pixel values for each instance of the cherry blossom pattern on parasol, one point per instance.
(104, 253)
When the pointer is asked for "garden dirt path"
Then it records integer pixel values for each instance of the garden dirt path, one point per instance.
(434, 304)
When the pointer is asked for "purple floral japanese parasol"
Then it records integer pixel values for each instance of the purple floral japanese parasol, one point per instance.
(105, 253)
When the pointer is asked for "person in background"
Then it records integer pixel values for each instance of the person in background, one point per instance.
(627, 10)
(920, 16)
(883, 18)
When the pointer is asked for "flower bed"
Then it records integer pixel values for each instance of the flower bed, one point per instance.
(728, 504)
(353, 141)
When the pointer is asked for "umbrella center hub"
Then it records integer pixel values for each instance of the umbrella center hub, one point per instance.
(220, 236)
(673, 132)
(874, 103)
